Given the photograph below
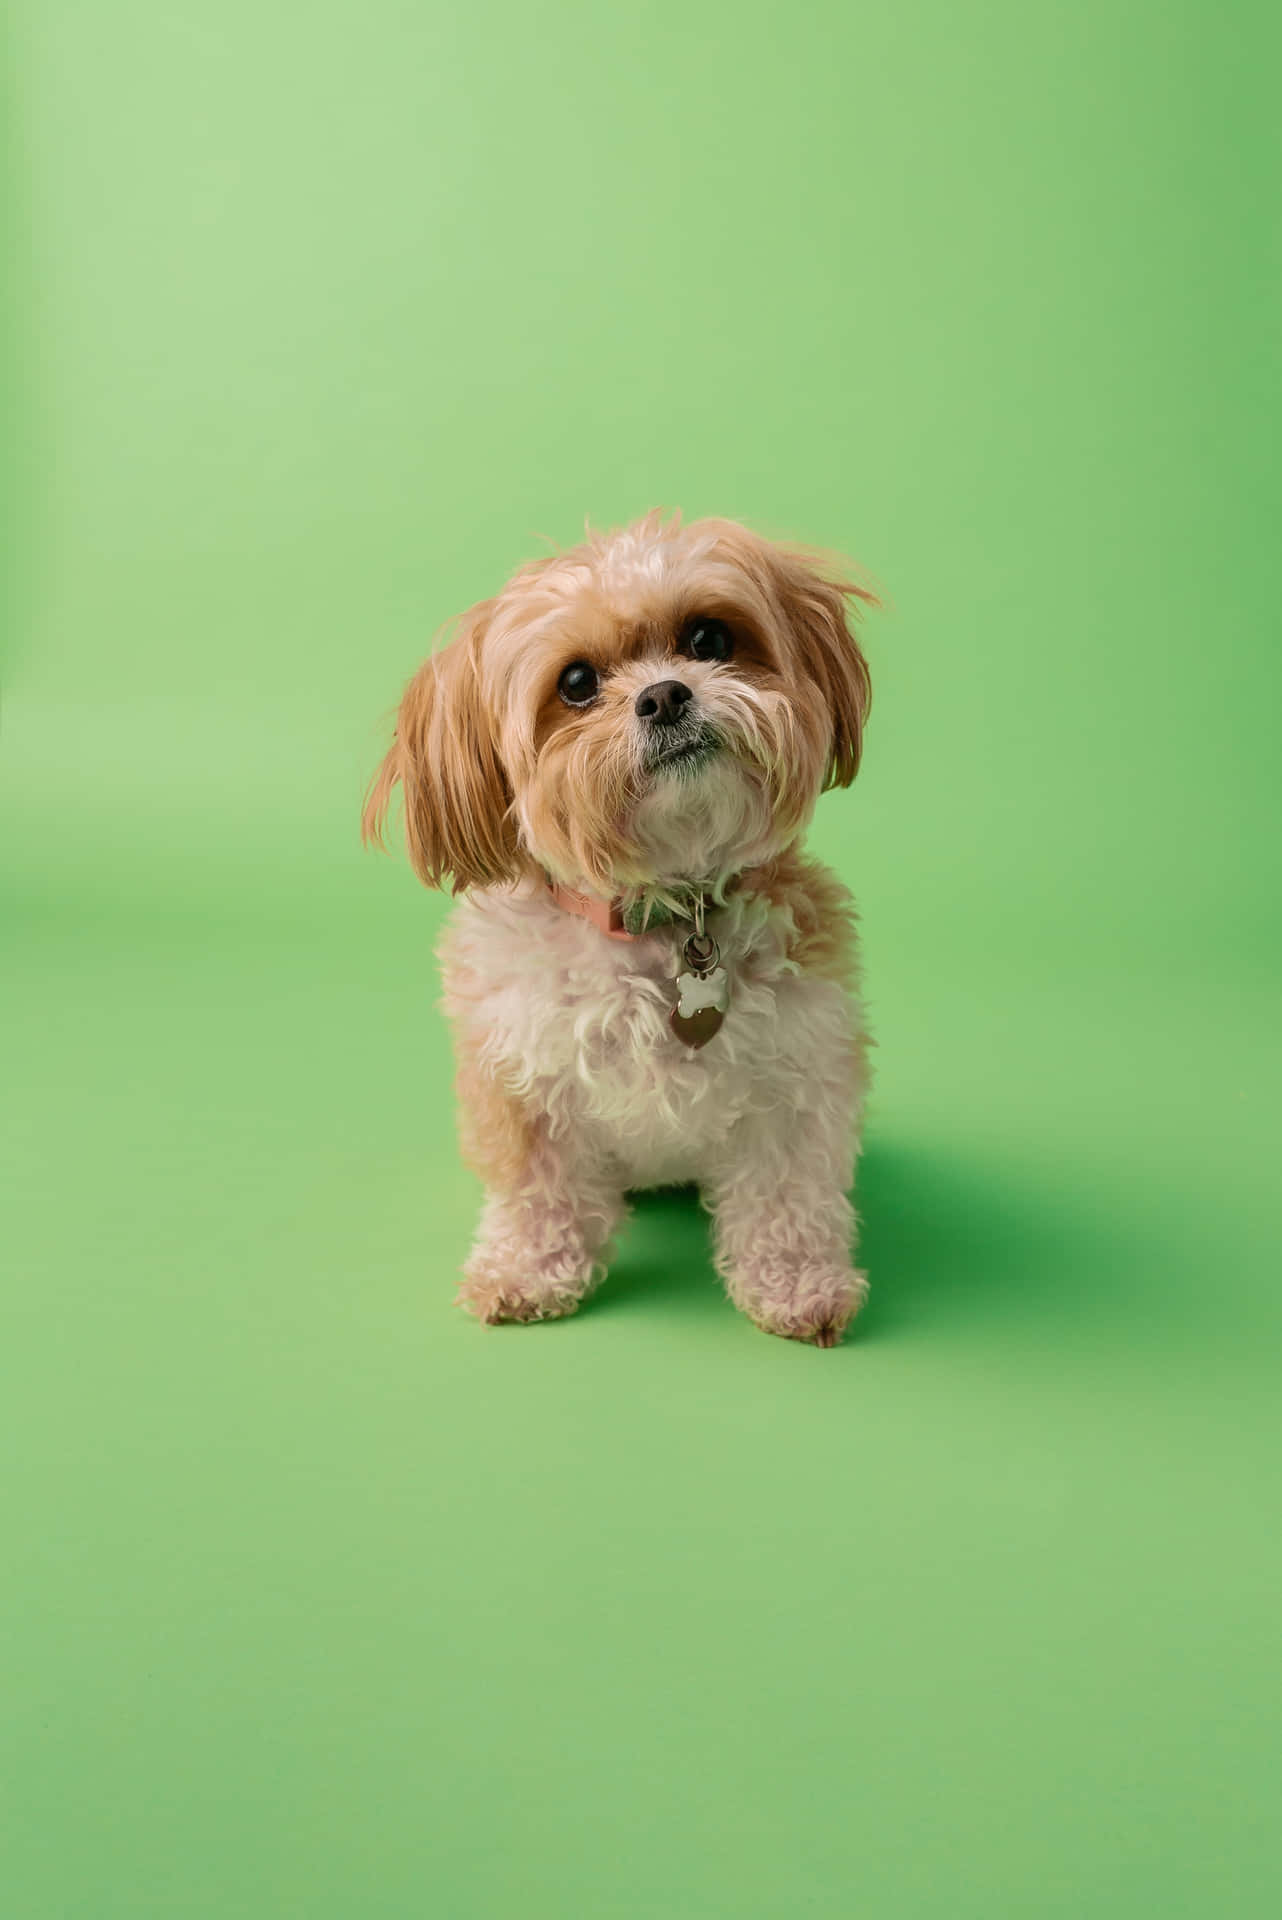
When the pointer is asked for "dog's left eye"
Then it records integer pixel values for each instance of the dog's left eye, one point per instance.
(705, 639)
(579, 684)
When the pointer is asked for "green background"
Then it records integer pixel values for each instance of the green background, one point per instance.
(322, 1600)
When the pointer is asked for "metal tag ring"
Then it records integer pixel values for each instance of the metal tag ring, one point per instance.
(701, 952)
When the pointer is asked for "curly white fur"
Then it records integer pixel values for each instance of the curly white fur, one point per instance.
(765, 1120)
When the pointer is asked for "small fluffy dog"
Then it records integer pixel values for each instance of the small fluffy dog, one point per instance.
(612, 763)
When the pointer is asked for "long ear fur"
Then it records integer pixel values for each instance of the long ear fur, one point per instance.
(823, 612)
(444, 754)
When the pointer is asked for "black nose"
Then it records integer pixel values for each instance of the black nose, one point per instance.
(662, 703)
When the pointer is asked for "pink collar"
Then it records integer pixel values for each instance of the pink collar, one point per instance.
(605, 914)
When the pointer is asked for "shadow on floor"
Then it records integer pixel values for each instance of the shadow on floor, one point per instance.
(949, 1237)
(663, 1260)
(945, 1238)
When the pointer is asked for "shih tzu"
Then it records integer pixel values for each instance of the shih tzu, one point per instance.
(612, 763)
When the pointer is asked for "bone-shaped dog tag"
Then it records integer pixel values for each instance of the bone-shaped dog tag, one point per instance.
(703, 992)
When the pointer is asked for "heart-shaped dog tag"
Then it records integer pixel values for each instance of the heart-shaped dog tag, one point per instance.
(696, 1029)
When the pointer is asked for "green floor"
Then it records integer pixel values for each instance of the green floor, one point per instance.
(319, 1600)
(331, 1602)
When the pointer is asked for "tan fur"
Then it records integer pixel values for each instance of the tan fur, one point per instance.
(445, 756)
(822, 910)
(820, 608)
(496, 1132)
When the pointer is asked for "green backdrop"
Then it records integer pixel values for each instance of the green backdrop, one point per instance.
(325, 1601)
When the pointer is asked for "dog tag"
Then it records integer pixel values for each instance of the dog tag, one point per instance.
(703, 992)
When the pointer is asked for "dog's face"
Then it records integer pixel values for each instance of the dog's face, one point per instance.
(660, 704)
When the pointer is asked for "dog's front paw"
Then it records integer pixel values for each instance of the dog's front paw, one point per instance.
(816, 1307)
(502, 1299)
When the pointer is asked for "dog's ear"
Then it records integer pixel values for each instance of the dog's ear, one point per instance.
(445, 756)
(822, 611)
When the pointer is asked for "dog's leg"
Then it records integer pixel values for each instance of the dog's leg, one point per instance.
(783, 1224)
(541, 1243)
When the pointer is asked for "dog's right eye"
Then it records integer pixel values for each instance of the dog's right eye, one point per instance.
(579, 684)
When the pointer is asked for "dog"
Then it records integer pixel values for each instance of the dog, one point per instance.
(611, 764)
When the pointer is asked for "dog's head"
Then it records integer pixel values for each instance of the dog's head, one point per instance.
(659, 704)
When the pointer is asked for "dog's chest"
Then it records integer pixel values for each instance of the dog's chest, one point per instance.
(580, 1024)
